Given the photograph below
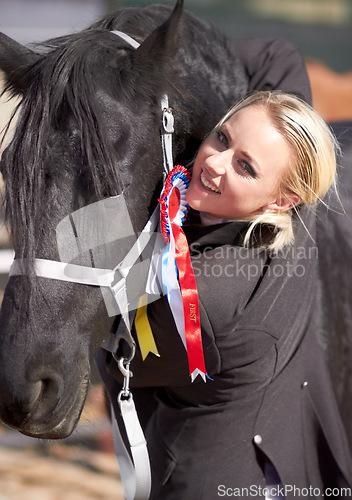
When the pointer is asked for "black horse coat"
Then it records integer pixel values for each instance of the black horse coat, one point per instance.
(269, 398)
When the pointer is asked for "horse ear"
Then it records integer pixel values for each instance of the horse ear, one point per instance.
(14, 62)
(163, 42)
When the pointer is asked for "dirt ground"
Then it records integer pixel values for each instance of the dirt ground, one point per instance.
(83, 467)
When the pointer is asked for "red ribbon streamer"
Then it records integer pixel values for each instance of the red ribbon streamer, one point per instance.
(190, 301)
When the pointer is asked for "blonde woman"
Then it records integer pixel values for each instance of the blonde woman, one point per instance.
(265, 424)
(270, 154)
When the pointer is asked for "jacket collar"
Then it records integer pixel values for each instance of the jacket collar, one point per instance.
(224, 233)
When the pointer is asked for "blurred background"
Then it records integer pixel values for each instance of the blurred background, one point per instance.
(321, 28)
(84, 467)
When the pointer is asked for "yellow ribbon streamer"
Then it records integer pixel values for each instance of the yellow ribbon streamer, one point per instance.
(143, 330)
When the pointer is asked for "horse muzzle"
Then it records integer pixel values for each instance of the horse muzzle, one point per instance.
(43, 408)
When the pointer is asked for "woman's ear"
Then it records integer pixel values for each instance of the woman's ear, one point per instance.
(284, 203)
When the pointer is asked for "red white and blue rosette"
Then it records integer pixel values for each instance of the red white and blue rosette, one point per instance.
(177, 273)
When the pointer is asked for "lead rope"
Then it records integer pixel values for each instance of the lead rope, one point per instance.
(135, 473)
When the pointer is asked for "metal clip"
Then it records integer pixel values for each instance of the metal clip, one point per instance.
(127, 374)
(168, 120)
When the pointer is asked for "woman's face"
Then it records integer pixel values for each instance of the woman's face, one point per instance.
(238, 169)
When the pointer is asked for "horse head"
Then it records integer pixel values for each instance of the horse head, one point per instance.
(88, 127)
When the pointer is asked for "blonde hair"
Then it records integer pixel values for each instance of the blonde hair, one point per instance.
(312, 169)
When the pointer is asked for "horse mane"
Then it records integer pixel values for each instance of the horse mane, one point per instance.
(63, 83)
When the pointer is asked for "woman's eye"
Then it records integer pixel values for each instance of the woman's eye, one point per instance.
(222, 138)
(248, 169)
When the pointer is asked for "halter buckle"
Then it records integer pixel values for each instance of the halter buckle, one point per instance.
(168, 121)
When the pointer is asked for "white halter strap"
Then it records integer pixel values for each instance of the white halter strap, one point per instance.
(127, 38)
(167, 117)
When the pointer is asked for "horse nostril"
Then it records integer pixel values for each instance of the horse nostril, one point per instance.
(33, 394)
(45, 394)
(25, 400)
(17, 409)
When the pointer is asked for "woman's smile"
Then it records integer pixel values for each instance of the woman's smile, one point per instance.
(208, 184)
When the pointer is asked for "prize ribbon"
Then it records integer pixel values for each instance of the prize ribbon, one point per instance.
(177, 273)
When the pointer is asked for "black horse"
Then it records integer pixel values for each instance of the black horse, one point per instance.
(88, 127)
